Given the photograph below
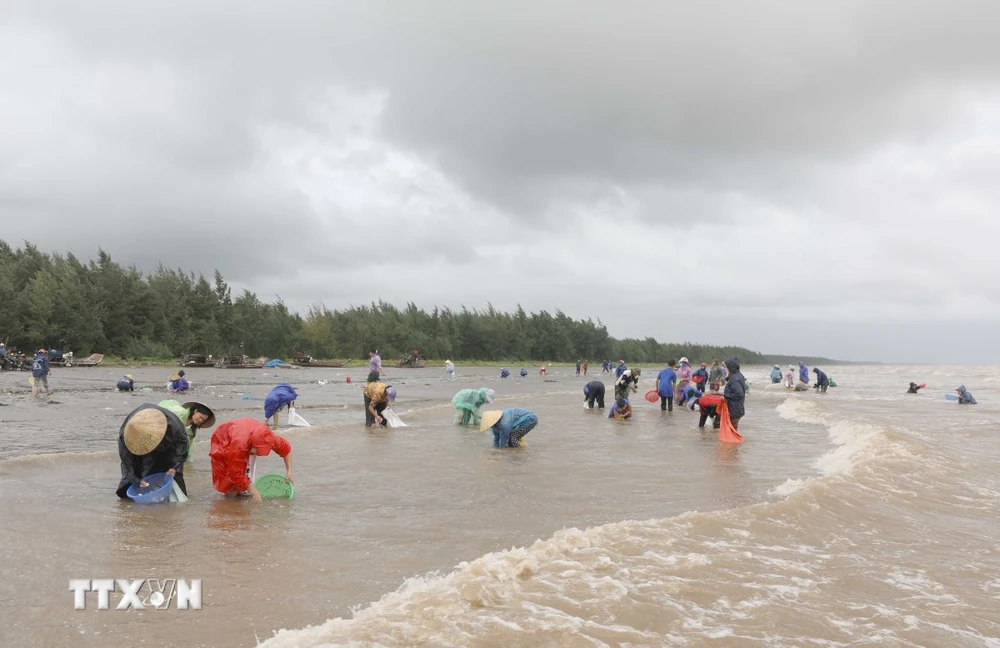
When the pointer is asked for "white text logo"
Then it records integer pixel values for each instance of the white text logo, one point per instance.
(143, 594)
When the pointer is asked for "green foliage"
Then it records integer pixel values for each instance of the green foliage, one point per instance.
(56, 301)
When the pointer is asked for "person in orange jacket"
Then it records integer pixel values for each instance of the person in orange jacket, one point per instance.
(233, 445)
(708, 404)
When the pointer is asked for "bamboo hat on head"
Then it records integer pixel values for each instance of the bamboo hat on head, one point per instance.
(490, 419)
(175, 377)
(204, 409)
(144, 431)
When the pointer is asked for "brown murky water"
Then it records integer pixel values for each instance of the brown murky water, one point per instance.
(863, 517)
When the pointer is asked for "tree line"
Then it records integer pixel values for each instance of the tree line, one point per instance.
(55, 300)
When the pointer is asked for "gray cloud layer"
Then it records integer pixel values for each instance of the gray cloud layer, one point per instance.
(665, 166)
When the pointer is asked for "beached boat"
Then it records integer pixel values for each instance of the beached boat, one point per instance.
(238, 362)
(91, 361)
(196, 360)
(411, 362)
(309, 361)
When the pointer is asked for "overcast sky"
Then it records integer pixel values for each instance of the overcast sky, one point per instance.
(792, 176)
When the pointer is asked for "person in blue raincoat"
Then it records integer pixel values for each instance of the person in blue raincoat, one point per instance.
(620, 369)
(964, 397)
(178, 383)
(524, 372)
(504, 373)
(803, 372)
(691, 396)
(508, 425)
(281, 397)
(775, 375)
(665, 386)
(621, 410)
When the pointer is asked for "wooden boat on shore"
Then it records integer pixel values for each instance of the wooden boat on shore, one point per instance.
(238, 362)
(309, 361)
(411, 362)
(91, 361)
(196, 360)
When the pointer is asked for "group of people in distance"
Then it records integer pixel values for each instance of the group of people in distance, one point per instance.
(823, 382)
(677, 384)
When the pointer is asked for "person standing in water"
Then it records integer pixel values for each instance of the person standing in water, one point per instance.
(449, 369)
(683, 379)
(914, 388)
(586, 365)
(374, 362)
(40, 372)
(665, 386)
(715, 376)
(735, 392)
(803, 372)
(700, 377)
(775, 375)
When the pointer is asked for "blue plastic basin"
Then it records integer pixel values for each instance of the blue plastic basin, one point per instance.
(160, 486)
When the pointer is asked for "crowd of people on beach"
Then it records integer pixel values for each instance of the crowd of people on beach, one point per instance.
(158, 438)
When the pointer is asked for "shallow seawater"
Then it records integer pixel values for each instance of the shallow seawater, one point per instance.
(863, 516)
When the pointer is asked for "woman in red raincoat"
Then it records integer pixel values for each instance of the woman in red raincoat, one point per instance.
(233, 443)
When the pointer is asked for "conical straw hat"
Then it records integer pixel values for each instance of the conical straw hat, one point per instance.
(144, 431)
(490, 419)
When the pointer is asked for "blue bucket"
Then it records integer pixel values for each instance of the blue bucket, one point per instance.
(159, 489)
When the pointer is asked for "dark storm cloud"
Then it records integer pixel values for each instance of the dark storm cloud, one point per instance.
(815, 151)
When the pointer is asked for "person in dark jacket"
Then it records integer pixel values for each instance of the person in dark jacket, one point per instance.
(700, 377)
(593, 393)
(735, 391)
(822, 381)
(709, 404)
(126, 383)
(914, 388)
(40, 373)
(964, 397)
(621, 369)
(151, 440)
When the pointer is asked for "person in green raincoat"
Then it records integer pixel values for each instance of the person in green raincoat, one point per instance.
(194, 415)
(467, 403)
